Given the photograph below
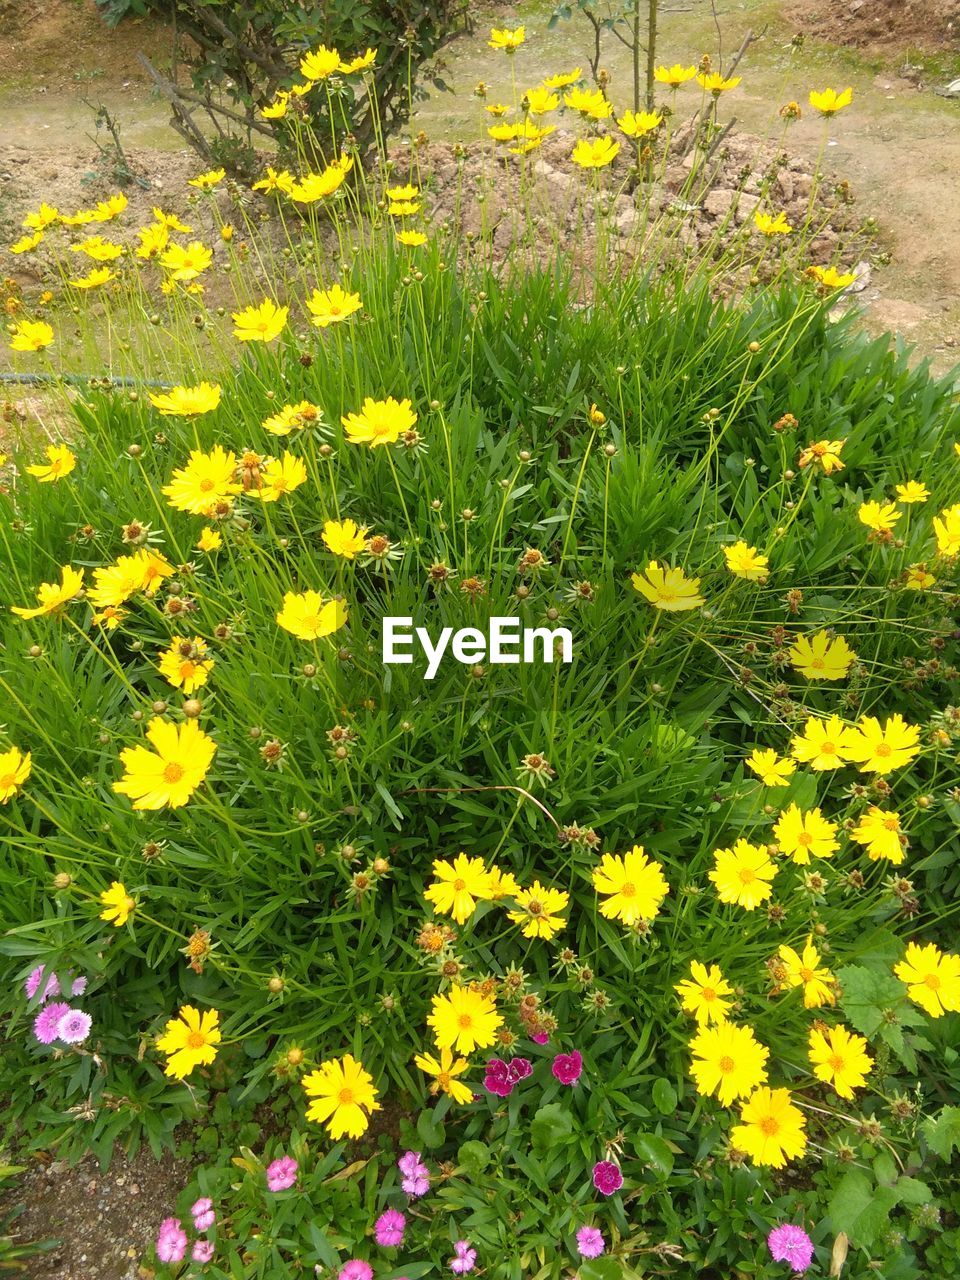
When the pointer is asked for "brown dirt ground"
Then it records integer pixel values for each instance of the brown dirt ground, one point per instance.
(59, 38)
(887, 26)
(104, 1221)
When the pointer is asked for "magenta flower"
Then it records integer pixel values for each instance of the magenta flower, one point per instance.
(74, 1026)
(282, 1173)
(502, 1077)
(416, 1175)
(47, 1020)
(32, 984)
(389, 1228)
(590, 1242)
(202, 1251)
(171, 1241)
(791, 1244)
(464, 1258)
(607, 1177)
(355, 1269)
(203, 1214)
(540, 1038)
(568, 1067)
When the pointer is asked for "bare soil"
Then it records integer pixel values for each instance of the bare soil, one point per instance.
(900, 26)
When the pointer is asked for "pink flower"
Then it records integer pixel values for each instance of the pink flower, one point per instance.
(389, 1228)
(32, 984)
(202, 1251)
(464, 1258)
(502, 1077)
(791, 1244)
(607, 1177)
(203, 1214)
(171, 1241)
(282, 1173)
(590, 1242)
(416, 1175)
(46, 1022)
(568, 1067)
(540, 1038)
(74, 1026)
(355, 1269)
(78, 986)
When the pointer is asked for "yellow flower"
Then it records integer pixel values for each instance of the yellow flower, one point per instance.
(52, 596)
(771, 1131)
(308, 616)
(820, 658)
(746, 562)
(407, 192)
(674, 76)
(45, 217)
(830, 278)
(343, 1096)
(185, 665)
(562, 80)
(804, 971)
(117, 904)
(153, 240)
(404, 208)
(769, 767)
(946, 526)
(293, 417)
(880, 750)
(637, 124)
(15, 768)
(210, 540)
(540, 101)
(331, 306)
(445, 1072)
(705, 993)
(912, 491)
(187, 402)
(880, 831)
(280, 477)
(190, 1040)
(207, 181)
(508, 41)
(713, 82)
(918, 578)
(31, 335)
(275, 181)
(344, 537)
(539, 908)
(260, 324)
(318, 186)
(320, 64)
(772, 225)
(277, 108)
(98, 249)
(881, 517)
(728, 1062)
(824, 454)
(107, 210)
(186, 262)
(93, 279)
(805, 834)
(595, 153)
(359, 63)
(932, 978)
(839, 1058)
(668, 588)
(742, 875)
(632, 885)
(459, 886)
(109, 617)
(464, 1019)
(204, 483)
(503, 884)
(591, 103)
(26, 243)
(828, 102)
(379, 422)
(60, 463)
(823, 744)
(114, 584)
(412, 239)
(170, 774)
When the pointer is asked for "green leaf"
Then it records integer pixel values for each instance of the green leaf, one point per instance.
(474, 1157)
(868, 996)
(552, 1126)
(664, 1097)
(860, 1208)
(942, 1132)
(601, 1269)
(655, 1152)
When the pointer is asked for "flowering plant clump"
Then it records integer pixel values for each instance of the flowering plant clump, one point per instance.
(639, 962)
